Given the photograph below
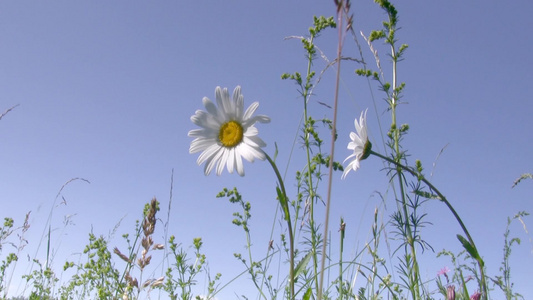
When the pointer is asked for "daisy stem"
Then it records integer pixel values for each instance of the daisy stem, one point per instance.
(284, 201)
(442, 198)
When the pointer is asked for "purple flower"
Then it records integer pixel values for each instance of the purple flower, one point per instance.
(475, 296)
(450, 293)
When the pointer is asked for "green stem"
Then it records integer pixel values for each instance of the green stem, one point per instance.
(285, 206)
(311, 195)
(341, 286)
(413, 272)
(450, 207)
(249, 246)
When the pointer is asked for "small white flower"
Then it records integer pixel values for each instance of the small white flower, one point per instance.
(227, 134)
(359, 144)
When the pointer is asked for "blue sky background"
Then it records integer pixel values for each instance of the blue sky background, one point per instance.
(106, 90)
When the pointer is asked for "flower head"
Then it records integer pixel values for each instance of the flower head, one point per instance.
(444, 271)
(475, 296)
(450, 292)
(359, 144)
(227, 133)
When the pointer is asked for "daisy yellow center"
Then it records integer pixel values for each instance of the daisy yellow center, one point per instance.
(230, 134)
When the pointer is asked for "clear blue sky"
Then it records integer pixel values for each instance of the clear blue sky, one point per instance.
(106, 90)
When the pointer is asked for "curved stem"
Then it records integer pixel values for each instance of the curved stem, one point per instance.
(450, 207)
(285, 206)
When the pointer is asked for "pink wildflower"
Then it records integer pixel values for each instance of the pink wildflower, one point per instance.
(475, 296)
(450, 295)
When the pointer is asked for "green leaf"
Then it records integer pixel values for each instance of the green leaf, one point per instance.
(522, 177)
(302, 264)
(308, 294)
(469, 247)
(427, 195)
(283, 202)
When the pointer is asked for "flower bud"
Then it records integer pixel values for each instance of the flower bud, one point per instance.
(450, 293)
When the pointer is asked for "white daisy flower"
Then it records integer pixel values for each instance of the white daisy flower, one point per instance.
(227, 134)
(360, 145)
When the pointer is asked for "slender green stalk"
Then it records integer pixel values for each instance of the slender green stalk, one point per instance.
(413, 272)
(341, 285)
(305, 94)
(284, 201)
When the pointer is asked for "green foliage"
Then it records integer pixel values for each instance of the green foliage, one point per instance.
(522, 177)
(503, 281)
(181, 275)
(42, 282)
(96, 276)
(9, 262)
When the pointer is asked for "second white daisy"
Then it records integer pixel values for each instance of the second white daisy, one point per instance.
(360, 145)
(227, 133)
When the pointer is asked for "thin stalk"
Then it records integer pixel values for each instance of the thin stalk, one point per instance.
(251, 268)
(311, 195)
(414, 278)
(285, 206)
(332, 151)
(450, 207)
(341, 289)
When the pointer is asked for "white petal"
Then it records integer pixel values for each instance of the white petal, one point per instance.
(238, 100)
(230, 160)
(254, 141)
(200, 145)
(238, 164)
(219, 95)
(208, 153)
(205, 120)
(250, 111)
(205, 133)
(222, 162)
(210, 106)
(346, 170)
(226, 103)
(251, 153)
(349, 157)
(251, 131)
(353, 165)
(252, 121)
(210, 164)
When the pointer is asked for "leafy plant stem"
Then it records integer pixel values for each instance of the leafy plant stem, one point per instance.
(413, 272)
(443, 199)
(284, 201)
(306, 93)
